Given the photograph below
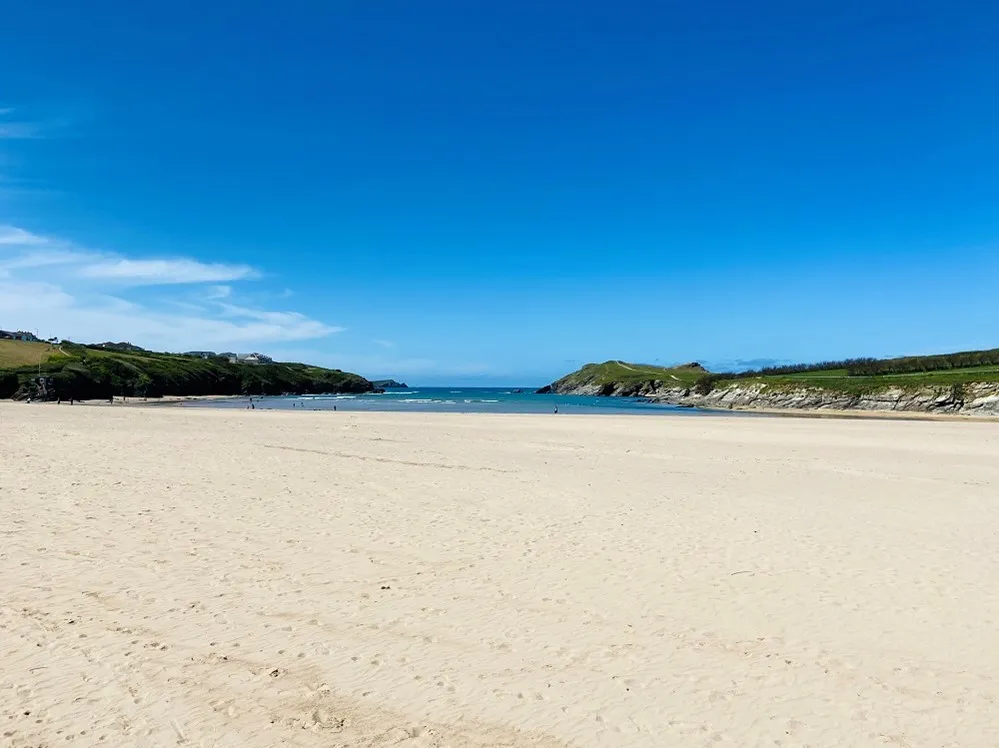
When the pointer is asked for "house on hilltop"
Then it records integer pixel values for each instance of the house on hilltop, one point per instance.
(248, 358)
(28, 337)
(254, 358)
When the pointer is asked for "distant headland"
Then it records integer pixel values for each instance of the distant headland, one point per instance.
(389, 384)
(959, 383)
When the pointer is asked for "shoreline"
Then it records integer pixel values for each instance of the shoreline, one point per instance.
(805, 413)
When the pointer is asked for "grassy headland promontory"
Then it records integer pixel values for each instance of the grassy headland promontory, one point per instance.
(966, 382)
(619, 378)
(71, 370)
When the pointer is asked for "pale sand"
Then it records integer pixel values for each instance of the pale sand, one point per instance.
(173, 576)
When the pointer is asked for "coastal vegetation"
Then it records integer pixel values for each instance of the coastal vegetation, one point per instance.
(71, 370)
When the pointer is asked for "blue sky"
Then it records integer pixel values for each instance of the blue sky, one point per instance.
(455, 192)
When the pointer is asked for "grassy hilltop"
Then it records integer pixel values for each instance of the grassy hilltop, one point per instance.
(90, 372)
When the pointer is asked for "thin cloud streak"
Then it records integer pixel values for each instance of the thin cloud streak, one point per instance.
(19, 131)
(26, 129)
(38, 251)
(12, 235)
(157, 272)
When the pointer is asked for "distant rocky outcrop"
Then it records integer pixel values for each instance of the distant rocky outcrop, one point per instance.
(621, 379)
(389, 384)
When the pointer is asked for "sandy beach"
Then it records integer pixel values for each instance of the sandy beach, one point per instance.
(189, 577)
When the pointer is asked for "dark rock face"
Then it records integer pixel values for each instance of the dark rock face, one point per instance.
(546, 390)
(389, 384)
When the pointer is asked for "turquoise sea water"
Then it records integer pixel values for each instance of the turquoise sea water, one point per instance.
(456, 400)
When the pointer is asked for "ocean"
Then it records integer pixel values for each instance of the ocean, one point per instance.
(457, 400)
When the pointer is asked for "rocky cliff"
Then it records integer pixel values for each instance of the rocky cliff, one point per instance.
(977, 398)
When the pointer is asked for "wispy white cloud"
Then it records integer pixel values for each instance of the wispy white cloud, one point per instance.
(383, 343)
(50, 309)
(37, 251)
(54, 286)
(12, 235)
(281, 319)
(164, 272)
(42, 259)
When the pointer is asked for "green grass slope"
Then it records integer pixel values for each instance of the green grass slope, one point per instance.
(84, 372)
(18, 353)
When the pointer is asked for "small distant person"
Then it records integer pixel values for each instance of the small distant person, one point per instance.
(334, 409)
(556, 409)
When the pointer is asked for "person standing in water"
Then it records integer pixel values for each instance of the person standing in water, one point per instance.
(556, 409)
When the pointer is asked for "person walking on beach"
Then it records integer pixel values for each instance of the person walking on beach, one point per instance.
(556, 409)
